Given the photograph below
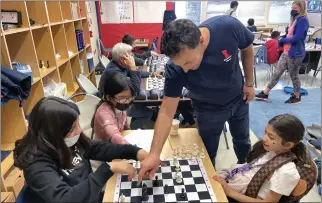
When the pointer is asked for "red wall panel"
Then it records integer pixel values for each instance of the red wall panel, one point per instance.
(113, 33)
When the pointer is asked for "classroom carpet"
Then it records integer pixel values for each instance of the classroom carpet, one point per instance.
(308, 111)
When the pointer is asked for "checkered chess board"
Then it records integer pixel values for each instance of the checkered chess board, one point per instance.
(194, 181)
(155, 83)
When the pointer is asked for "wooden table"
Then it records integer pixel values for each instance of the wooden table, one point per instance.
(186, 136)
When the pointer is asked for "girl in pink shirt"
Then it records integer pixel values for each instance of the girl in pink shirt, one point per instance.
(110, 118)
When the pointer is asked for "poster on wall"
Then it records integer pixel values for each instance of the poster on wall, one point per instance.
(116, 12)
(149, 11)
(314, 6)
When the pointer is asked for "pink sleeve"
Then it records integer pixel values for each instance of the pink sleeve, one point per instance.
(106, 120)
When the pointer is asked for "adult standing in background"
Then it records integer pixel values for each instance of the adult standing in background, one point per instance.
(233, 9)
(207, 64)
(293, 54)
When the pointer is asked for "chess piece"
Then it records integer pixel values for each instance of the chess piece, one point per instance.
(122, 198)
(166, 189)
(145, 196)
(155, 182)
(41, 64)
(177, 168)
(202, 154)
(178, 178)
(175, 161)
(183, 194)
(48, 66)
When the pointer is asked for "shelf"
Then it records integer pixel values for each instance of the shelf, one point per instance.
(57, 23)
(36, 93)
(44, 49)
(54, 12)
(66, 10)
(21, 49)
(76, 68)
(18, 6)
(82, 56)
(5, 59)
(45, 71)
(71, 37)
(7, 163)
(66, 76)
(15, 30)
(86, 32)
(82, 9)
(37, 12)
(60, 43)
(62, 61)
(35, 79)
(54, 75)
(37, 26)
(13, 125)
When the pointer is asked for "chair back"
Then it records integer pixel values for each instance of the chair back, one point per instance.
(85, 84)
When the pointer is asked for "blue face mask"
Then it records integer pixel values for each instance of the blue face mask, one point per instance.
(71, 141)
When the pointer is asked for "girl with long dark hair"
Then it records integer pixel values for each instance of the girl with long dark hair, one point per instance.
(54, 156)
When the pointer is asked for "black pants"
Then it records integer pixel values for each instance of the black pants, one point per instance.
(187, 112)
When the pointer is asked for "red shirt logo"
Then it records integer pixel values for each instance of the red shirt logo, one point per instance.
(226, 55)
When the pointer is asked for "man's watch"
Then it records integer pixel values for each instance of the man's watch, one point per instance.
(248, 85)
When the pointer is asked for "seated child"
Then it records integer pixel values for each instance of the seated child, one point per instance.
(251, 26)
(282, 134)
(110, 118)
(272, 48)
(55, 156)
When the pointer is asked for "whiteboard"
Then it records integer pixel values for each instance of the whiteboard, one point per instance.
(279, 12)
(116, 12)
(149, 11)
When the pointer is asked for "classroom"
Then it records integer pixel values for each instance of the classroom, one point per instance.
(161, 101)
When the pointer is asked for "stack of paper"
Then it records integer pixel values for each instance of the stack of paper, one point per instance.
(140, 138)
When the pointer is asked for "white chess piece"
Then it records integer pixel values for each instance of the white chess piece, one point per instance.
(175, 161)
(177, 168)
(178, 177)
(122, 198)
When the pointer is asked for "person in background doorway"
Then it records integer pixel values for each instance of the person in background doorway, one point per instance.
(110, 118)
(130, 40)
(293, 53)
(272, 48)
(55, 155)
(251, 26)
(233, 9)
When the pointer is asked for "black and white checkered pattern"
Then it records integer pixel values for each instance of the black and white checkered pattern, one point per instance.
(155, 83)
(194, 181)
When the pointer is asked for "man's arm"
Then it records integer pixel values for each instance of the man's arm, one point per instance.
(163, 124)
(247, 57)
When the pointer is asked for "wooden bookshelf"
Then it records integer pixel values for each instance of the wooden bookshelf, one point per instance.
(53, 32)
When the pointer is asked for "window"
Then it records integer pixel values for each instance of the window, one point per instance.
(279, 12)
(189, 9)
(245, 10)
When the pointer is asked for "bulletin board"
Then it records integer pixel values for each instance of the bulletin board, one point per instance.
(118, 12)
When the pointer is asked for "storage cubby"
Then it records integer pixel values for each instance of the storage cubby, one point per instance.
(54, 12)
(13, 125)
(60, 43)
(82, 56)
(82, 9)
(54, 76)
(17, 6)
(75, 10)
(44, 49)
(36, 93)
(71, 38)
(37, 12)
(5, 59)
(21, 49)
(66, 10)
(76, 68)
(67, 77)
(78, 25)
(86, 32)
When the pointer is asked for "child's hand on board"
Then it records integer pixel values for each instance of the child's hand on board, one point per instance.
(123, 167)
(223, 183)
(141, 155)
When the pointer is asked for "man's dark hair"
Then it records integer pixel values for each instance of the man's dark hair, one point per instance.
(128, 39)
(275, 34)
(180, 34)
(251, 21)
(233, 4)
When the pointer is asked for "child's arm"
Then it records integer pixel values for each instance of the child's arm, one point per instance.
(272, 197)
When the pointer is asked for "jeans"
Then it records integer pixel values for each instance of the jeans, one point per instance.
(140, 114)
(211, 122)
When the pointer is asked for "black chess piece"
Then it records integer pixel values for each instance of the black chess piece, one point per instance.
(48, 66)
(145, 196)
(166, 189)
(156, 182)
(183, 194)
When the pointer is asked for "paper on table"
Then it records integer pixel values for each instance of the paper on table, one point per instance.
(141, 139)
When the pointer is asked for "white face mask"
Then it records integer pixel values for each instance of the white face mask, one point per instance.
(117, 111)
(70, 141)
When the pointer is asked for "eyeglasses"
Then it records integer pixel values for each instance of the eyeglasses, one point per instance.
(124, 100)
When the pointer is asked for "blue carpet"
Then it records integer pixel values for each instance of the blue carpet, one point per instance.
(308, 111)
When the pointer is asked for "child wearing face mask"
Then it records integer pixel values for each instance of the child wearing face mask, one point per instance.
(283, 134)
(110, 118)
(55, 156)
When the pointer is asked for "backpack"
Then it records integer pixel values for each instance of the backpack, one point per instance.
(306, 169)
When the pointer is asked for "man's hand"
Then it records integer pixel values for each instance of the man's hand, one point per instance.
(128, 60)
(249, 94)
(154, 53)
(149, 166)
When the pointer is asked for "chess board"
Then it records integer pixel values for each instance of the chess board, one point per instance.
(194, 181)
(155, 83)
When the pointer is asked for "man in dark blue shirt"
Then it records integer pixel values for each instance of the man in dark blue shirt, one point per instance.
(209, 68)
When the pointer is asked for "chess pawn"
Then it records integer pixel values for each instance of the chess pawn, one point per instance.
(178, 178)
(122, 198)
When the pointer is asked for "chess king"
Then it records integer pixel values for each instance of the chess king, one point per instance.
(205, 61)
